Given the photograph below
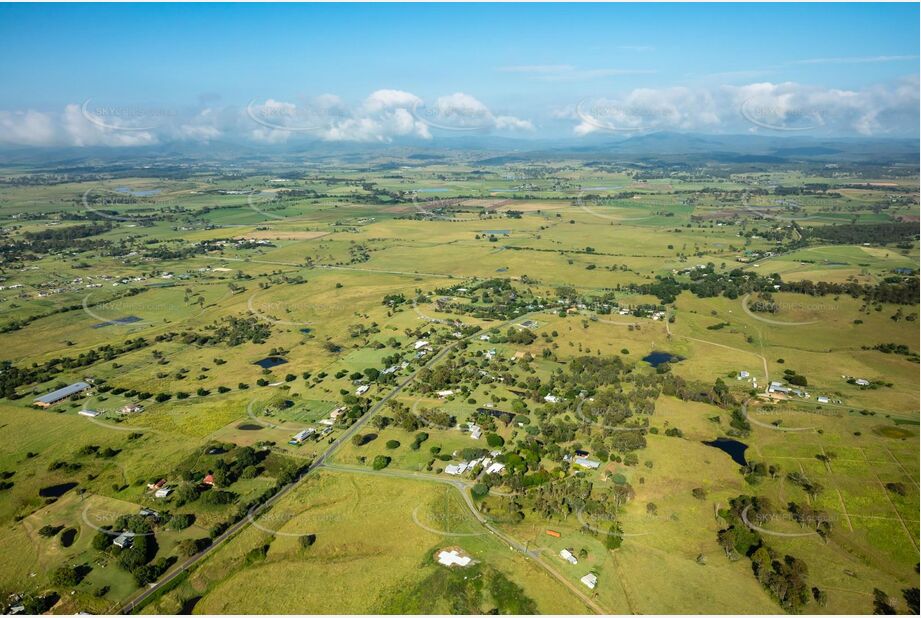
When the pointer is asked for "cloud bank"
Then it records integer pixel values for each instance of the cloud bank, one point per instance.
(763, 107)
(388, 114)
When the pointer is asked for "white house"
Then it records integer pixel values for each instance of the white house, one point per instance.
(822, 399)
(566, 555)
(444, 394)
(302, 435)
(420, 344)
(124, 540)
(590, 580)
(361, 390)
(551, 398)
(475, 431)
(89, 413)
(163, 492)
(861, 382)
(495, 468)
(585, 462)
(455, 469)
(743, 375)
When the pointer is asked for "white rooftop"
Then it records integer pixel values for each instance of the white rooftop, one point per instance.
(585, 462)
(452, 558)
(495, 468)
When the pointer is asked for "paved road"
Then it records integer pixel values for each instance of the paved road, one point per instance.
(138, 598)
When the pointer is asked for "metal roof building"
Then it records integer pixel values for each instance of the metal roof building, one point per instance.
(62, 393)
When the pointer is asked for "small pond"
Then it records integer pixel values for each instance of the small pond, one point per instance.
(56, 491)
(270, 361)
(733, 448)
(131, 319)
(657, 358)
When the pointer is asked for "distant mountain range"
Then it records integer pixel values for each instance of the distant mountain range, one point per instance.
(663, 147)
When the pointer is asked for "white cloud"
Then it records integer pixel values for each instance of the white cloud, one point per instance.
(381, 100)
(27, 128)
(88, 129)
(384, 115)
(758, 107)
(387, 114)
(463, 112)
(646, 109)
(511, 123)
(204, 127)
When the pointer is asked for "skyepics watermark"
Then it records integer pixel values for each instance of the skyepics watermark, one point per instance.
(625, 116)
(766, 308)
(126, 117)
(769, 306)
(812, 523)
(774, 426)
(782, 113)
(460, 115)
(127, 204)
(281, 521)
(306, 116)
(272, 310)
(263, 201)
(126, 311)
(443, 523)
(593, 204)
(116, 524)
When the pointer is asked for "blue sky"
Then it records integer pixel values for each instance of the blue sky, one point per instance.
(634, 65)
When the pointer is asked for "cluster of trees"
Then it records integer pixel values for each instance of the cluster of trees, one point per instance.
(71, 239)
(136, 558)
(69, 233)
(855, 233)
(784, 576)
(12, 377)
(232, 331)
(226, 468)
(894, 348)
(494, 299)
(708, 283)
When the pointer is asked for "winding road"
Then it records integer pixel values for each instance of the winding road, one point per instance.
(135, 601)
